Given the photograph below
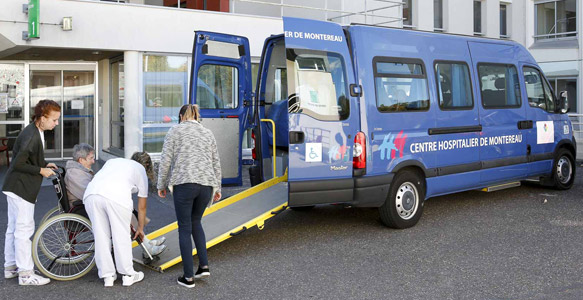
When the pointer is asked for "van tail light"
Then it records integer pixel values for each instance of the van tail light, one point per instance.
(253, 150)
(359, 152)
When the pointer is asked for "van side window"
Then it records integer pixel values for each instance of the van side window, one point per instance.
(454, 86)
(217, 87)
(400, 85)
(537, 89)
(499, 86)
(316, 81)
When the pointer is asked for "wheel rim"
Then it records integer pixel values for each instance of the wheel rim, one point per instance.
(63, 248)
(407, 200)
(564, 170)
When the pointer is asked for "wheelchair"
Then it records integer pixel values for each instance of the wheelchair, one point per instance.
(63, 247)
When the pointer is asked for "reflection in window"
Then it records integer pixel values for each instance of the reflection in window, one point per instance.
(317, 85)
(154, 139)
(216, 87)
(165, 86)
(453, 86)
(556, 19)
(165, 91)
(11, 92)
(538, 91)
(499, 86)
(400, 87)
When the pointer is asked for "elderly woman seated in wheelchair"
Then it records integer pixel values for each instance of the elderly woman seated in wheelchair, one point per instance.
(68, 259)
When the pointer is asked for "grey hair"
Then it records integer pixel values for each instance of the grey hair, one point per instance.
(82, 151)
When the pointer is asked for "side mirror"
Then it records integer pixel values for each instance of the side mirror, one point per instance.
(563, 105)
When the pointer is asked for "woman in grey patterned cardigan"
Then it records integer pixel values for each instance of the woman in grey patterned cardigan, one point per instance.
(190, 163)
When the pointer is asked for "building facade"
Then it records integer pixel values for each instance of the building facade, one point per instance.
(121, 71)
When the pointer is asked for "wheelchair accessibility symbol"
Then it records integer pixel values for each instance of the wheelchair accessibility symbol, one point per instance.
(313, 152)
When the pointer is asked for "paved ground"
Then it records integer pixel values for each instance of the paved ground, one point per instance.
(510, 244)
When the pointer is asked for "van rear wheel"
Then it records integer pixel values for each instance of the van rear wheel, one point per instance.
(563, 170)
(404, 204)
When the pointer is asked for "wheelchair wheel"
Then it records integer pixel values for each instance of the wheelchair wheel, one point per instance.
(63, 247)
(51, 213)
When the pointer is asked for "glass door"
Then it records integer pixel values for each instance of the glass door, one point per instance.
(73, 88)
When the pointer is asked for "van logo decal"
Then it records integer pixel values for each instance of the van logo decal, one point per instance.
(338, 152)
(391, 145)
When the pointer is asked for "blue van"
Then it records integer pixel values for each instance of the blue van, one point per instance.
(380, 117)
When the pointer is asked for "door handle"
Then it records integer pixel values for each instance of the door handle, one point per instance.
(527, 124)
(296, 137)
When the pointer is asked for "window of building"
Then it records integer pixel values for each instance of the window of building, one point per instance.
(478, 17)
(11, 103)
(165, 90)
(116, 105)
(438, 15)
(408, 13)
(454, 86)
(556, 19)
(401, 85)
(503, 21)
(538, 91)
(317, 84)
(568, 84)
(499, 86)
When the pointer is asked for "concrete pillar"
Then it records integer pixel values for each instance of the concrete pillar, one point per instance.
(455, 18)
(132, 104)
(491, 22)
(423, 15)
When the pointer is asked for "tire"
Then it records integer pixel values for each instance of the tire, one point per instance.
(404, 204)
(302, 208)
(63, 247)
(563, 175)
(51, 213)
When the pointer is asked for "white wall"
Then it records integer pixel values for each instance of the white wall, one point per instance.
(113, 26)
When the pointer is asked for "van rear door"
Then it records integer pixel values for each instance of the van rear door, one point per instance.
(221, 86)
(323, 116)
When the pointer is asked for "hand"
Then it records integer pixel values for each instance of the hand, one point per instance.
(162, 193)
(217, 197)
(52, 166)
(139, 233)
(46, 172)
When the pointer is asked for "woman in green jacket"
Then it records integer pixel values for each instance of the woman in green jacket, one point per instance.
(21, 186)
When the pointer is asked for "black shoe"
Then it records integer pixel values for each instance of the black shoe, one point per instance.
(186, 283)
(202, 273)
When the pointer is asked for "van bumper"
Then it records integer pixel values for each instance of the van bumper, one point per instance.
(372, 191)
(369, 191)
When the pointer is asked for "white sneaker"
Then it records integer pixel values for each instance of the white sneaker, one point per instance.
(157, 242)
(29, 278)
(10, 272)
(131, 279)
(108, 281)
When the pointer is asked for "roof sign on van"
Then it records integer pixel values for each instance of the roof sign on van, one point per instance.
(315, 35)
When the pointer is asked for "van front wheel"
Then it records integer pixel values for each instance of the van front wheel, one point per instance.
(404, 204)
(563, 170)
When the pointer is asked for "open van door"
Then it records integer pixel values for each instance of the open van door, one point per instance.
(221, 86)
(323, 117)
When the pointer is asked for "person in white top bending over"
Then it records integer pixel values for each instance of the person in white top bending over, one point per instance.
(108, 202)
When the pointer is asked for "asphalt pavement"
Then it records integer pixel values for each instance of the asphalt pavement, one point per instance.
(519, 243)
